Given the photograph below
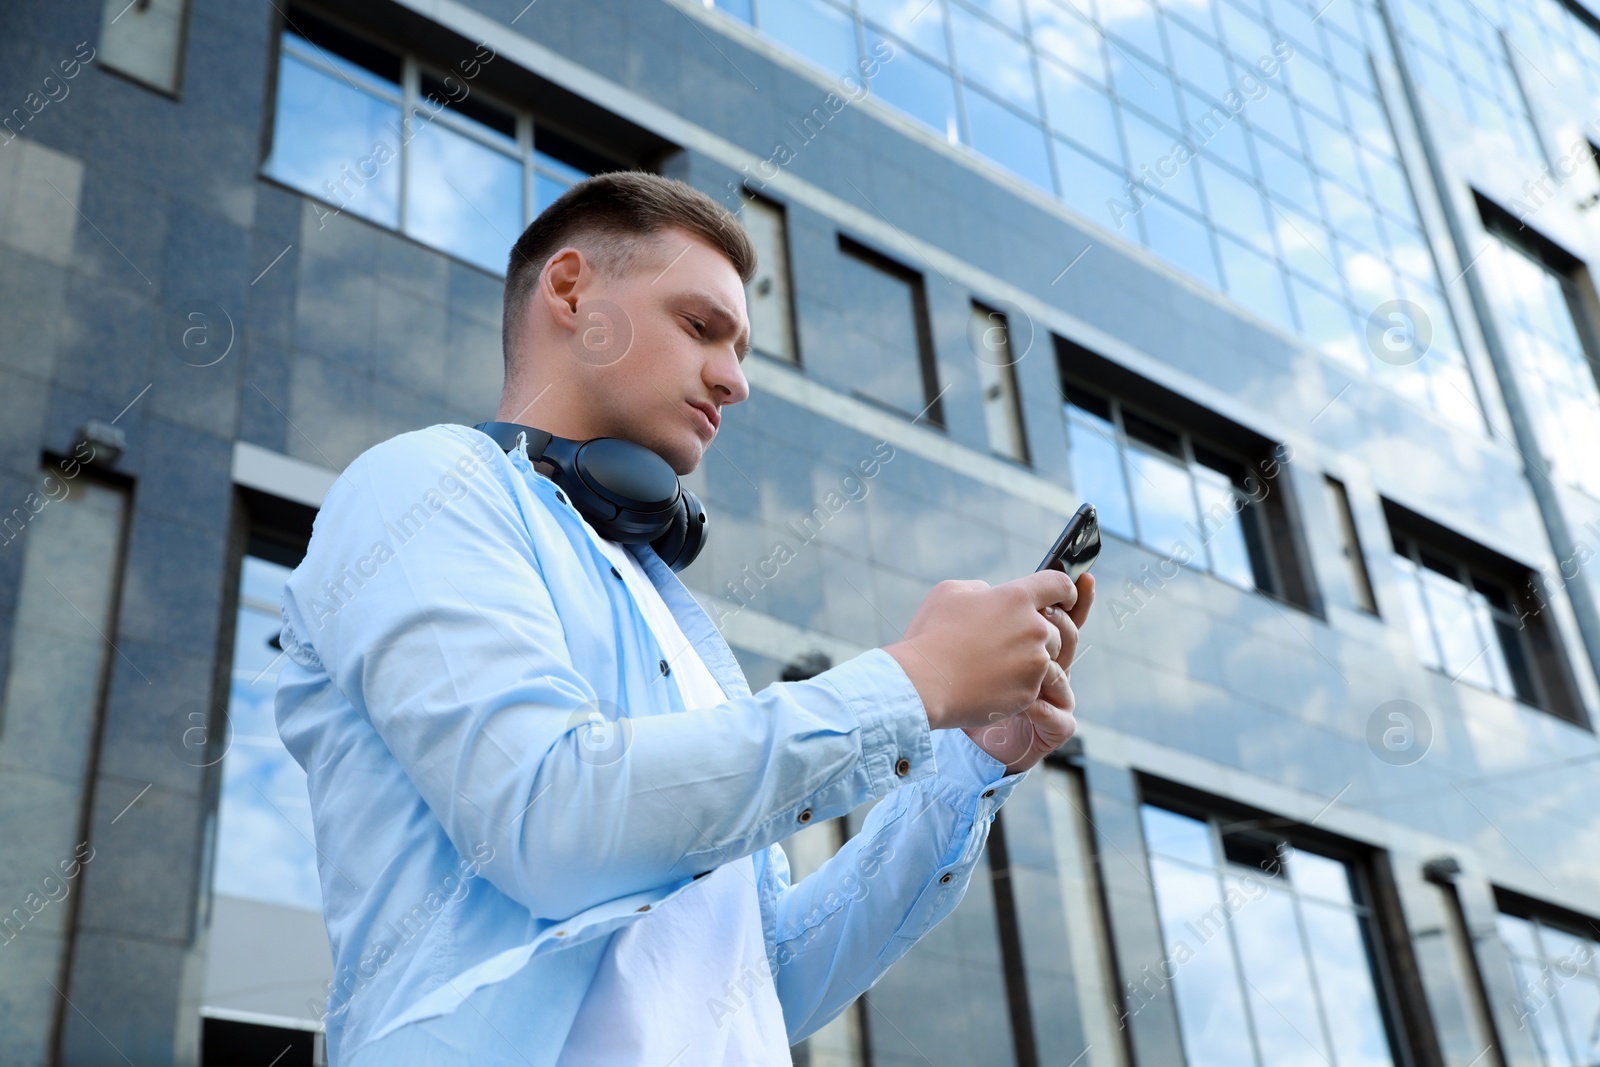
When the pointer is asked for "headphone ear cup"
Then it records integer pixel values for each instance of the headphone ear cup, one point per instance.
(684, 539)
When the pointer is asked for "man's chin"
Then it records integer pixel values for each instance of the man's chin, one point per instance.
(685, 461)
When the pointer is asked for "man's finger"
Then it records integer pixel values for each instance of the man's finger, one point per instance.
(1050, 587)
(1079, 612)
(1068, 632)
(1056, 689)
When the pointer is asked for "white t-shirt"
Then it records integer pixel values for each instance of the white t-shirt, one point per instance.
(689, 984)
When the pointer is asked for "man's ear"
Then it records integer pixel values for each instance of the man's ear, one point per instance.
(560, 283)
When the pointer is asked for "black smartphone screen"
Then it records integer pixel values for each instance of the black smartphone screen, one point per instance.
(1075, 550)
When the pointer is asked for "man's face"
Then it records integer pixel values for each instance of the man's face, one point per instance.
(685, 308)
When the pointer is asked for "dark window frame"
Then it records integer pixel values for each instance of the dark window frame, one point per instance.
(933, 412)
(1428, 544)
(1278, 558)
(1401, 998)
(791, 315)
(1008, 374)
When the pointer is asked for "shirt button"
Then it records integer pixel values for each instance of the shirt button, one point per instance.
(903, 767)
(615, 573)
(989, 793)
(664, 667)
(946, 878)
(561, 933)
(805, 816)
(560, 497)
(645, 907)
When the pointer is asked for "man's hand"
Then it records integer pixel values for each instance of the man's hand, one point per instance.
(1048, 722)
(988, 660)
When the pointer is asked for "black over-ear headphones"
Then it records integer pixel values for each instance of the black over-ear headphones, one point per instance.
(628, 493)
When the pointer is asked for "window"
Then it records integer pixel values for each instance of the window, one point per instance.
(1209, 508)
(989, 333)
(1554, 373)
(1350, 545)
(1557, 970)
(420, 150)
(145, 40)
(769, 295)
(267, 956)
(1270, 946)
(885, 344)
(1477, 617)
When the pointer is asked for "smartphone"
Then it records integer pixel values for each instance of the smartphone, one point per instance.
(1078, 545)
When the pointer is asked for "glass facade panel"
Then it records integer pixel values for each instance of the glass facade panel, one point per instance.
(266, 848)
(989, 334)
(1408, 584)
(1154, 76)
(1080, 110)
(994, 59)
(1277, 973)
(1009, 139)
(463, 196)
(1181, 238)
(1555, 375)
(1268, 952)
(1211, 1013)
(1456, 618)
(326, 124)
(1097, 472)
(768, 296)
(1097, 190)
(919, 87)
(880, 343)
(1163, 500)
(1255, 281)
(1222, 526)
(1558, 988)
(817, 30)
(1344, 978)
(917, 21)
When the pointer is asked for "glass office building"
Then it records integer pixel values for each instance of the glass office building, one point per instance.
(1296, 292)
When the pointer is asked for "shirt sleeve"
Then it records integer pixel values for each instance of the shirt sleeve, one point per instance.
(842, 927)
(423, 595)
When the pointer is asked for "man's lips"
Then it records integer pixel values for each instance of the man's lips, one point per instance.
(712, 417)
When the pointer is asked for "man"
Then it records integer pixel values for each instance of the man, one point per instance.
(546, 803)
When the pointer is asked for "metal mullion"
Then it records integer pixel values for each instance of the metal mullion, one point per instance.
(1555, 1000)
(409, 82)
(1218, 874)
(957, 75)
(1186, 446)
(1379, 956)
(1311, 969)
(525, 153)
(1120, 439)
(1414, 554)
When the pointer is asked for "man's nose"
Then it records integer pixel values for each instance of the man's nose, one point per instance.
(727, 376)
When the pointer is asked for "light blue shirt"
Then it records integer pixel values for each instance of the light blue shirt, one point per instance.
(449, 639)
